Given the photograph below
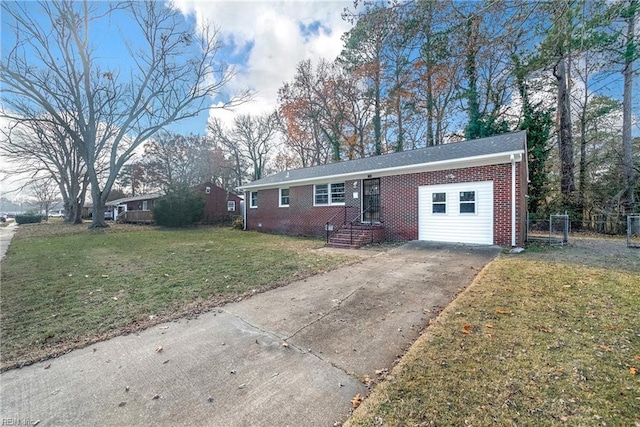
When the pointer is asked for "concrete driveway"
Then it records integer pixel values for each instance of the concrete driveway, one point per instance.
(293, 356)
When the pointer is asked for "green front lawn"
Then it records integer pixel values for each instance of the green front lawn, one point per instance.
(531, 343)
(64, 286)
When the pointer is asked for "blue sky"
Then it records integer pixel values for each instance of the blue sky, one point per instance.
(264, 40)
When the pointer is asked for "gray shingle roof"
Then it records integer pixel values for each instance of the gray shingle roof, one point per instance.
(134, 199)
(505, 143)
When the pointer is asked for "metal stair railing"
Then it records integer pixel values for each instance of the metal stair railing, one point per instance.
(337, 221)
(356, 219)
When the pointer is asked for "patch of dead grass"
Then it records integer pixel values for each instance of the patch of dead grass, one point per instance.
(529, 343)
(64, 286)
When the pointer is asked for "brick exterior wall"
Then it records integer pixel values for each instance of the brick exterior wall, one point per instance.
(215, 203)
(399, 204)
(301, 217)
(400, 200)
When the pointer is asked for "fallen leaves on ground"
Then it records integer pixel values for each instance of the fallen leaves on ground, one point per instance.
(356, 401)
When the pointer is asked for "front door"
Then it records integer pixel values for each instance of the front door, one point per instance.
(371, 200)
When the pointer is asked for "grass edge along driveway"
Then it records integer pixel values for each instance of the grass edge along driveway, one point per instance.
(528, 343)
(64, 287)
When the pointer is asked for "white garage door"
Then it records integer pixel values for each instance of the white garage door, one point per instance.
(461, 213)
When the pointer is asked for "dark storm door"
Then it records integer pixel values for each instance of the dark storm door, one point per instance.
(371, 200)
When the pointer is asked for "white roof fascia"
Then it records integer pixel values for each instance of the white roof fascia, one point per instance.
(483, 160)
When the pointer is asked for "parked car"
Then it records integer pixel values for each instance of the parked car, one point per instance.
(3, 217)
(56, 215)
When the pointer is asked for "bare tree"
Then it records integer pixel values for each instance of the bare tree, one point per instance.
(249, 141)
(223, 139)
(167, 74)
(256, 135)
(171, 158)
(41, 148)
(44, 191)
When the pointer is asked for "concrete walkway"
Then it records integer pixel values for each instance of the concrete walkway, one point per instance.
(293, 356)
(6, 234)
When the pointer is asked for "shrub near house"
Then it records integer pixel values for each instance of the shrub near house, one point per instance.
(180, 207)
(29, 218)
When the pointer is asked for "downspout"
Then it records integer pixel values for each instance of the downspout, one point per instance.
(513, 200)
(244, 210)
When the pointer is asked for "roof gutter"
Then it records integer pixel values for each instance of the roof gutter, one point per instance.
(483, 160)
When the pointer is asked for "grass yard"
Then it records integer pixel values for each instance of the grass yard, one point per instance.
(536, 340)
(63, 286)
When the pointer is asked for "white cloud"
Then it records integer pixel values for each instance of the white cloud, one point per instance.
(277, 32)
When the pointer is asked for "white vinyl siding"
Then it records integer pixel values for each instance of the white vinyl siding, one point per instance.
(467, 216)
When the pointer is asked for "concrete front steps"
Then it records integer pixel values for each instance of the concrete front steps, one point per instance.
(362, 235)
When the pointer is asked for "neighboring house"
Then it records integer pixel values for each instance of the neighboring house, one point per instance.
(136, 209)
(219, 204)
(87, 211)
(468, 192)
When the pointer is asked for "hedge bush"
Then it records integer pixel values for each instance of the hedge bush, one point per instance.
(28, 219)
(180, 207)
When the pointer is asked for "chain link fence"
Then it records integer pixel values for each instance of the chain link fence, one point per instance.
(557, 229)
(633, 231)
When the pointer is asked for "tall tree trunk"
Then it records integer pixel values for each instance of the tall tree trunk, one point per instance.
(430, 137)
(627, 150)
(565, 139)
(399, 113)
(582, 174)
(377, 129)
(473, 129)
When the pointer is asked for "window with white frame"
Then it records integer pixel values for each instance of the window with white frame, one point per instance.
(439, 203)
(467, 202)
(284, 197)
(337, 193)
(231, 206)
(207, 190)
(145, 205)
(253, 199)
(329, 194)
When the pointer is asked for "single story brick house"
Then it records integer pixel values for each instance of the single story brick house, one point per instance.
(467, 192)
(219, 205)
